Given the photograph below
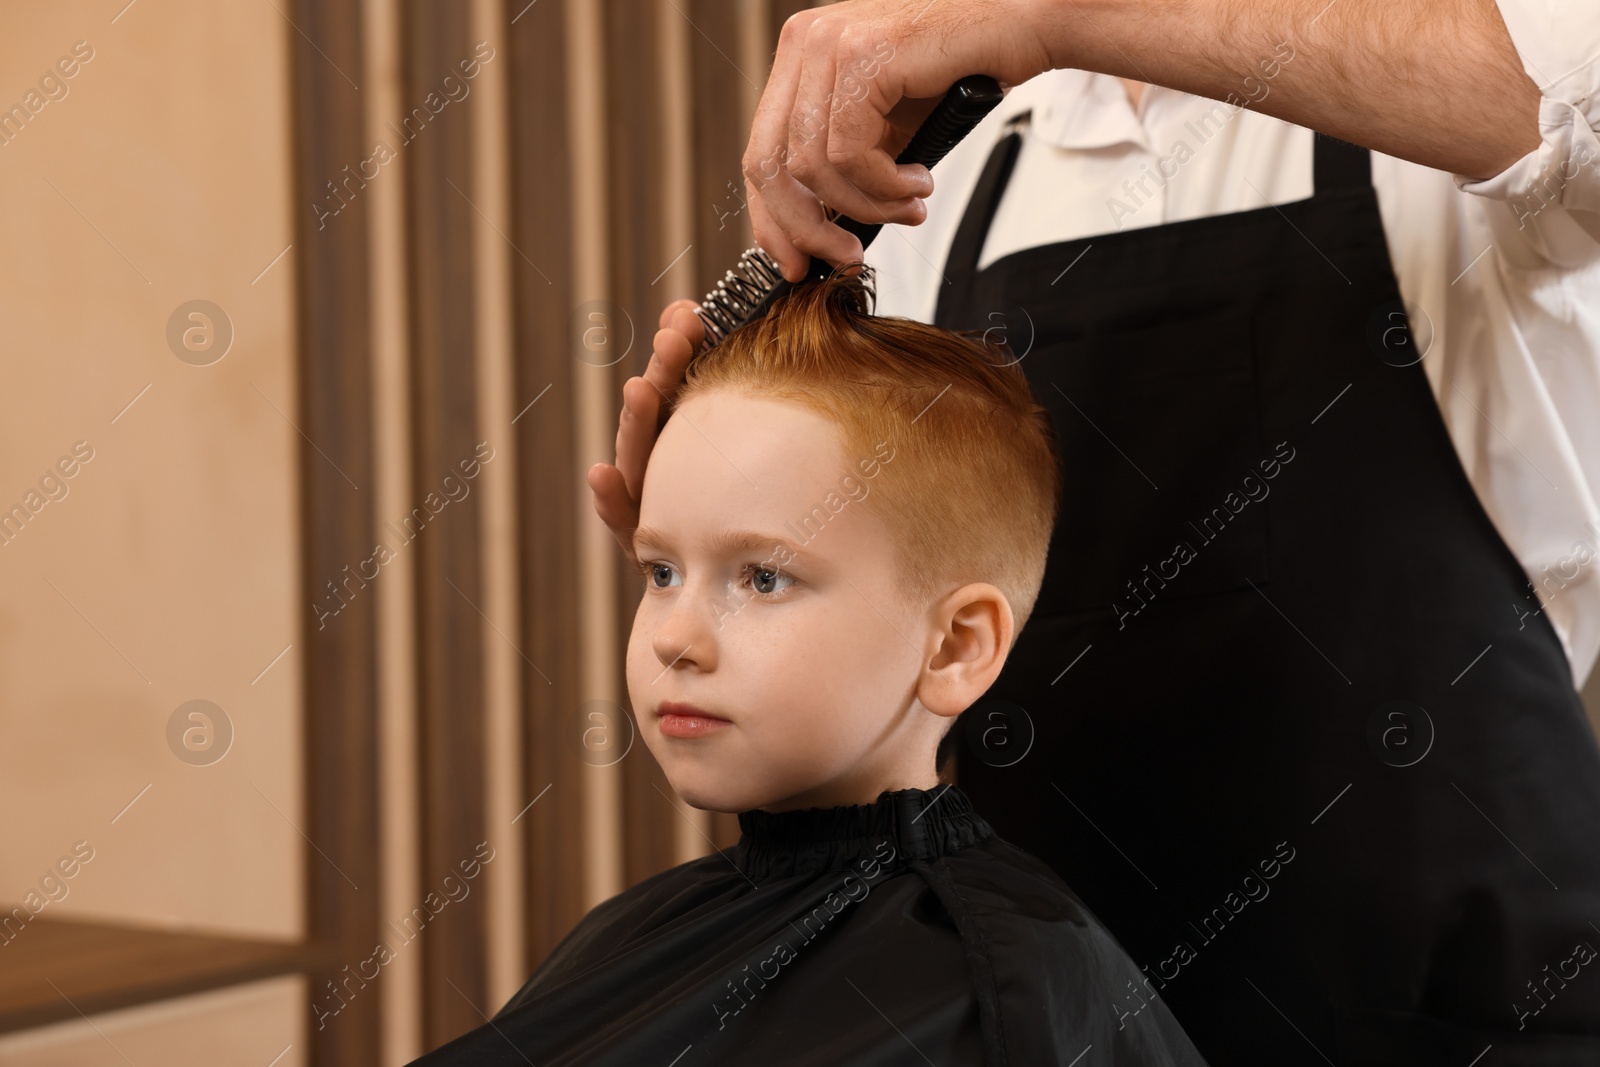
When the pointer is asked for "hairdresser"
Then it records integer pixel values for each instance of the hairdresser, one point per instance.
(1297, 710)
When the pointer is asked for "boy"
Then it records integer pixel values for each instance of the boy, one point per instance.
(843, 528)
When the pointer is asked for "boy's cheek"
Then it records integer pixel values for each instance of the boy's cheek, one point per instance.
(638, 676)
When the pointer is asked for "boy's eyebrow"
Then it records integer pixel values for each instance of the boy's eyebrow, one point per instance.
(728, 542)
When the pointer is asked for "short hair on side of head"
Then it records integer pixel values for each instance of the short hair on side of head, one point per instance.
(972, 487)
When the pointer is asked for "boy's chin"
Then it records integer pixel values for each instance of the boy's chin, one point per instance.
(711, 797)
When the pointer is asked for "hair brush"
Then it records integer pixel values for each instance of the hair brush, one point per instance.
(748, 290)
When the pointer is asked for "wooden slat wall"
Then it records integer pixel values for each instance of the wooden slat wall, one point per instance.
(547, 463)
(335, 411)
(445, 427)
(722, 83)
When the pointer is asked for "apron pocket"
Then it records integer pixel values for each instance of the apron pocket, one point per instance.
(1165, 477)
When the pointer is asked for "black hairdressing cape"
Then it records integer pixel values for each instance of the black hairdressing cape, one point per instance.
(898, 932)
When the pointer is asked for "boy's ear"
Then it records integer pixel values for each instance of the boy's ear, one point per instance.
(973, 628)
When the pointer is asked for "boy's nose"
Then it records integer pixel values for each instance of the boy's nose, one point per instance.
(687, 636)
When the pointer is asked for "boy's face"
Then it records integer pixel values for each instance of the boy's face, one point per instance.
(812, 659)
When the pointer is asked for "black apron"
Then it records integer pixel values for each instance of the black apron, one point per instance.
(1283, 716)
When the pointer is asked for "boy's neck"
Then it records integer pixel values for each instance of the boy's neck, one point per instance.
(863, 791)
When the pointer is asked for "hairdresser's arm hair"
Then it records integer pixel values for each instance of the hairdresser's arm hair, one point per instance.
(1436, 82)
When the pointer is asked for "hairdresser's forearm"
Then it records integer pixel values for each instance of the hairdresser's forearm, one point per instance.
(1437, 82)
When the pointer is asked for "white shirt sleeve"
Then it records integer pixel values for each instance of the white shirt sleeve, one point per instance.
(1553, 192)
(1528, 366)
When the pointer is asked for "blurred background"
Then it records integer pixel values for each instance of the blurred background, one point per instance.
(313, 735)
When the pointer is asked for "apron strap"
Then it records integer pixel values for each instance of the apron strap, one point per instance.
(962, 261)
(1339, 164)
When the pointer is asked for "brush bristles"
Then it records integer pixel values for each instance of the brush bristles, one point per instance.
(738, 295)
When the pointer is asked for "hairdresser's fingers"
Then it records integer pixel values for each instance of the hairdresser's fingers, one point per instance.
(861, 61)
(637, 429)
(888, 53)
(671, 350)
(791, 129)
(787, 219)
(613, 505)
(645, 399)
(673, 346)
(791, 229)
(665, 319)
(790, 223)
(789, 207)
(769, 129)
(842, 67)
(768, 148)
(811, 110)
(689, 324)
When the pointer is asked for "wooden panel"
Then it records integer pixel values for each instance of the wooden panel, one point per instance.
(56, 968)
(437, 133)
(340, 716)
(722, 75)
(547, 465)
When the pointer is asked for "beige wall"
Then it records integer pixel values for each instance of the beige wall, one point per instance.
(168, 570)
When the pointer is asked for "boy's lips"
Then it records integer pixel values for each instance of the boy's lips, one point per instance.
(678, 719)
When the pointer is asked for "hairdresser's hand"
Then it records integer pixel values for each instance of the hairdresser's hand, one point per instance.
(850, 84)
(617, 488)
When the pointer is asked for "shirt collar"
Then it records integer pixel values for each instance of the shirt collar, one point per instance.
(1077, 109)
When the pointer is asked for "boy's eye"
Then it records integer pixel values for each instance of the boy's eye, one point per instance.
(653, 571)
(763, 579)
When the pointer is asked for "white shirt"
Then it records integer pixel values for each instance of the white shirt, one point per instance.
(1502, 281)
